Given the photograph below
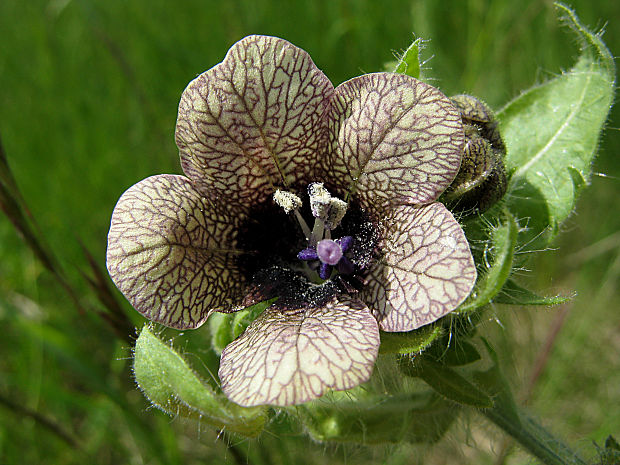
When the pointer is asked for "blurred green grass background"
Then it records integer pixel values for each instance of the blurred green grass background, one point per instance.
(88, 98)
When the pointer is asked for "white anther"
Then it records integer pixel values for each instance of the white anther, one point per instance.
(319, 200)
(336, 211)
(287, 200)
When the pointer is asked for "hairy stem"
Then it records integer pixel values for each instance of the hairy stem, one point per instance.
(532, 436)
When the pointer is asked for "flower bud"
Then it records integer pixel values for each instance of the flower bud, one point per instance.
(481, 180)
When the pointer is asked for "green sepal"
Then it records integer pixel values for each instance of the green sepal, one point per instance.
(515, 294)
(220, 327)
(491, 281)
(409, 62)
(226, 327)
(414, 418)
(551, 133)
(409, 342)
(243, 318)
(446, 381)
(172, 386)
(458, 353)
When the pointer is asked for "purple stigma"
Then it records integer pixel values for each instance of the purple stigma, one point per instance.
(330, 255)
(345, 242)
(329, 252)
(308, 254)
(325, 271)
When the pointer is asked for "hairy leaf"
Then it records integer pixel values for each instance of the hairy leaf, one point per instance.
(515, 294)
(552, 131)
(489, 285)
(409, 62)
(457, 353)
(171, 385)
(447, 382)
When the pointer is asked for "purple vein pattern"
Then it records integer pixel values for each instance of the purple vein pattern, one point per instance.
(267, 118)
(172, 252)
(298, 355)
(372, 151)
(253, 122)
(426, 269)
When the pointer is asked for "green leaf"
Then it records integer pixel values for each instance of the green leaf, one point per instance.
(514, 294)
(416, 418)
(490, 283)
(409, 62)
(171, 385)
(446, 382)
(552, 131)
(409, 342)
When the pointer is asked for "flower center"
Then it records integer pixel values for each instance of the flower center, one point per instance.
(323, 253)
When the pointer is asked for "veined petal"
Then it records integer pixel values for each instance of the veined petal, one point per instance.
(172, 253)
(426, 272)
(287, 357)
(393, 139)
(254, 121)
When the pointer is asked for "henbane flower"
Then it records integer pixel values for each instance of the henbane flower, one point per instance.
(322, 197)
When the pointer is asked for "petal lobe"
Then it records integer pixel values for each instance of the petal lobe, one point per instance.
(291, 356)
(426, 272)
(394, 139)
(253, 122)
(172, 253)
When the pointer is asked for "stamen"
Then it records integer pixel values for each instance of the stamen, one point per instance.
(304, 226)
(287, 200)
(317, 232)
(335, 213)
(329, 209)
(319, 200)
(290, 202)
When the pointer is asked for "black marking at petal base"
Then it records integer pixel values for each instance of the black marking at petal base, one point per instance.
(272, 236)
(274, 270)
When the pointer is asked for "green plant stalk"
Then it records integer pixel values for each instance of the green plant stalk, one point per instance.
(531, 435)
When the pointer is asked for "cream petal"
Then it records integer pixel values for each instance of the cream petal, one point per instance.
(426, 271)
(394, 139)
(172, 253)
(291, 356)
(254, 122)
